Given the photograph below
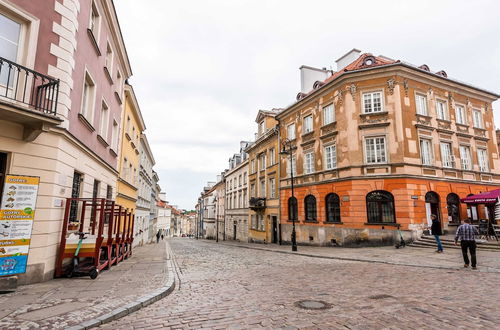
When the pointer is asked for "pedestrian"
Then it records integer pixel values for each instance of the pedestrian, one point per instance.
(162, 234)
(437, 231)
(158, 236)
(466, 233)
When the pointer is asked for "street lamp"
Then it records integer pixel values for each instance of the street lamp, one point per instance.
(287, 150)
(216, 219)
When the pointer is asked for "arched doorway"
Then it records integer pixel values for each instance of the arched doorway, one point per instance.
(432, 206)
(453, 202)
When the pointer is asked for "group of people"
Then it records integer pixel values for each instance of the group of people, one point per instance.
(466, 235)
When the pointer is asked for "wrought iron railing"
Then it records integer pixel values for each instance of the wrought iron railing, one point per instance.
(26, 86)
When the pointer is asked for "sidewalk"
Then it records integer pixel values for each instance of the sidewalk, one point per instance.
(63, 303)
(488, 261)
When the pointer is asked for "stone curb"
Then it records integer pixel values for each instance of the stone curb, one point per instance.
(494, 270)
(143, 301)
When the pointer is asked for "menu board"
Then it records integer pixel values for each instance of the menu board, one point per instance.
(17, 212)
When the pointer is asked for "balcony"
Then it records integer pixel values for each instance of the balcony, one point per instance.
(257, 203)
(28, 98)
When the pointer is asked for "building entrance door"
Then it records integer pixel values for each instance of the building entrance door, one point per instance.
(432, 206)
(453, 203)
(275, 229)
(235, 227)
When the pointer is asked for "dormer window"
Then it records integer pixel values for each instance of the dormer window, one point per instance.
(261, 128)
(369, 60)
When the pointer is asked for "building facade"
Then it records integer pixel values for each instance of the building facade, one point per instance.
(142, 216)
(263, 156)
(129, 164)
(61, 108)
(236, 204)
(380, 145)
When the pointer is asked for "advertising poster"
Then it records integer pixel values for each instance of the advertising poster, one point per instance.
(17, 212)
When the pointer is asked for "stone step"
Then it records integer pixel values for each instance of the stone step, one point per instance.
(449, 245)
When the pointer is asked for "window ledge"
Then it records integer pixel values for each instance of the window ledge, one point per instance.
(480, 129)
(307, 134)
(424, 116)
(86, 122)
(462, 125)
(376, 113)
(329, 125)
(311, 221)
(390, 224)
(113, 152)
(127, 136)
(118, 98)
(93, 41)
(333, 222)
(444, 120)
(102, 140)
(108, 75)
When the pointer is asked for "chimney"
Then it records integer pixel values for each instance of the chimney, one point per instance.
(309, 75)
(348, 58)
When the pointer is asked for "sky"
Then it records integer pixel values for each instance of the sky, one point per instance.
(202, 69)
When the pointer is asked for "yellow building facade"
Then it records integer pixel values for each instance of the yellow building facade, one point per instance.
(129, 154)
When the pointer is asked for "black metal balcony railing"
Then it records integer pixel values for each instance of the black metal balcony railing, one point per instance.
(28, 87)
(257, 203)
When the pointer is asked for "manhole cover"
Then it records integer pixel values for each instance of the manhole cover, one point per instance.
(313, 304)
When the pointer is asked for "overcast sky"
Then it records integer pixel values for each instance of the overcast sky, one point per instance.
(202, 69)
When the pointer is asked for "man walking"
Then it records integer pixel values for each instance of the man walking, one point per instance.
(437, 231)
(466, 233)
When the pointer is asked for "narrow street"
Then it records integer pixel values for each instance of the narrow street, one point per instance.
(227, 287)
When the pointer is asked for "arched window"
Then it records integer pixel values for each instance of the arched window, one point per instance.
(453, 203)
(292, 208)
(310, 208)
(332, 207)
(380, 207)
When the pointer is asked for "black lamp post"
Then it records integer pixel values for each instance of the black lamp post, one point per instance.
(287, 150)
(216, 219)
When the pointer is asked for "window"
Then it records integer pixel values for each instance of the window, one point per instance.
(332, 207)
(372, 102)
(95, 21)
(309, 163)
(482, 159)
(114, 136)
(460, 115)
(421, 103)
(10, 32)
(119, 83)
(239, 200)
(254, 221)
(272, 188)
(290, 132)
(292, 208)
(252, 190)
(109, 58)
(262, 128)
(245, 200)
(447, 158)
(310, 207)
(291, 165)
(426, 153)
(272, 156)
(330, 157)
(245, 178)
(465, 159)
(262, 161)
(88, 98)
(441, 110)
(104, 121)
(477, 116)
(308, 124)
(380, 207)
(252, 166)
(262, 188)
(375, 150)
(239, 180)
(328, 114)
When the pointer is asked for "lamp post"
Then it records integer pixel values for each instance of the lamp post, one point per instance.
(287, 150)
(216, 219)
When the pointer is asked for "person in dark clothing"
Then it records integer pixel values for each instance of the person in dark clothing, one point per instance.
(466, 233)
(437, 231)
(158, 236)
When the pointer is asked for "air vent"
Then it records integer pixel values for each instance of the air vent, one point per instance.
(442, 73)
(300, 96)
(318, 84)
(424, 67)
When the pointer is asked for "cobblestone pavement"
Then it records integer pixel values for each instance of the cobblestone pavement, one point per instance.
(222, 286)
(63, 302)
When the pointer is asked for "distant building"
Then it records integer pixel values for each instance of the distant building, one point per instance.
(145, 186)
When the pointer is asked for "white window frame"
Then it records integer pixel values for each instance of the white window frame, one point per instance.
(309, 162)
(262, 161)
(261, 128)
(262, 188)
(477, 121)
(447, 160)
(465, 157)
(272, 188)
(109, 58)
(463, 114)
(428, 159)
(294, 165)
(87, 108)
(372, 107)
(104, 125)
(115, 133)
(442, 113)
(330, 152)
(328, 114)
(482, 160)
(377, 152)
(272, 156)
(307, 124)
(290, 132)
(95, 27)
(419, 104)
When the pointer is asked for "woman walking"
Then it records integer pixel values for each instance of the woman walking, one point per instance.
(437, 231)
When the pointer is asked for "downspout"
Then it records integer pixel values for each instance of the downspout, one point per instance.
(279, 182)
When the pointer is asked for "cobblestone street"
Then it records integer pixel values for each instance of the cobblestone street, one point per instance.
(223, 286)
